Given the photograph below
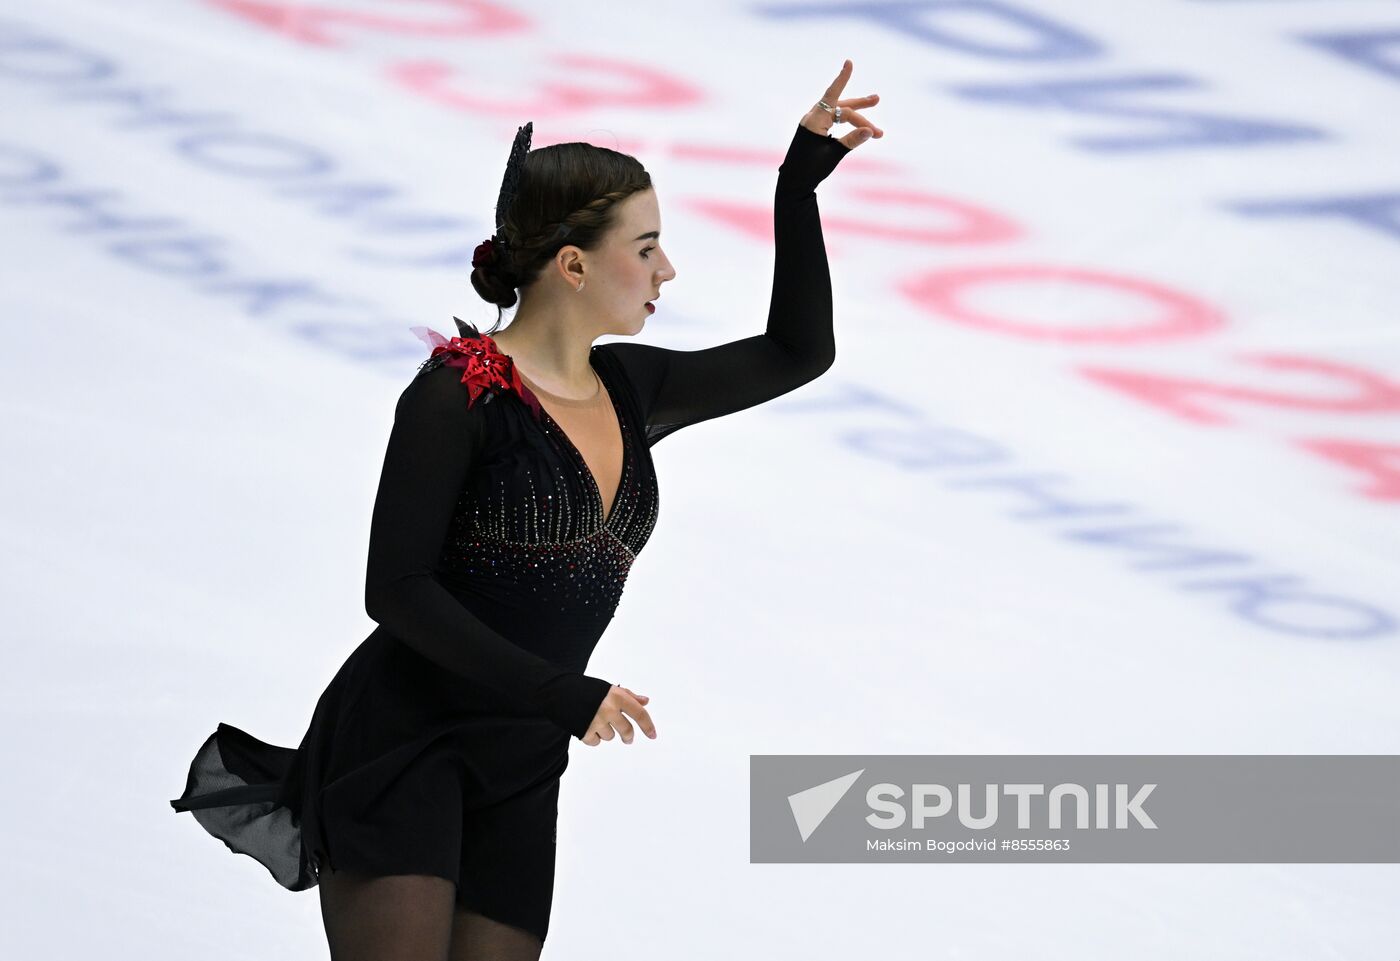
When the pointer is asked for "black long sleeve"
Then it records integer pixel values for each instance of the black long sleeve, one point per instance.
(431, 448)
(680, 387)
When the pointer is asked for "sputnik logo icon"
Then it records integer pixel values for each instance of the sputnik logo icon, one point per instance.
(810, 807)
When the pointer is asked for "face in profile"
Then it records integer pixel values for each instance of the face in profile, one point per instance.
(632, 263)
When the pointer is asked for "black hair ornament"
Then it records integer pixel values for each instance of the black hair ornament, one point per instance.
(494, 249)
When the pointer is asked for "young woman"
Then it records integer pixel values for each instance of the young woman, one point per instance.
(517, 489)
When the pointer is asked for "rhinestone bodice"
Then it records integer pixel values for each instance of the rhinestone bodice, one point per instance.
(528, 548)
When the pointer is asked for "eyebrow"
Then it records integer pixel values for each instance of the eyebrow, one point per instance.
(655, 234)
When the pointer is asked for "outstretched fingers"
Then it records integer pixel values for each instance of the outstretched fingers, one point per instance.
(863, 129)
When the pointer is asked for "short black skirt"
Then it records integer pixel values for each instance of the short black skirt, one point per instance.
(397, 774)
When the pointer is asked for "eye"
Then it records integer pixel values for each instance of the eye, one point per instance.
(644, 252)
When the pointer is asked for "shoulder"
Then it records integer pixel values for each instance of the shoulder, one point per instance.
(436, 396)
(640, 369)
(640, 366)
(435, 383)
(463, 371)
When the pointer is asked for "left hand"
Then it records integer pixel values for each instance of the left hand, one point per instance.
(820, 120)
(613, 713)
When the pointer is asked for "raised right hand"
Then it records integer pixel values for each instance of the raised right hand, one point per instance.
(821, 120)
(612, 717)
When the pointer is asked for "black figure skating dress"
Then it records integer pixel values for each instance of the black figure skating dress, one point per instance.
(493, 570)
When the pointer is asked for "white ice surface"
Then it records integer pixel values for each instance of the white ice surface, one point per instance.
(188, 481)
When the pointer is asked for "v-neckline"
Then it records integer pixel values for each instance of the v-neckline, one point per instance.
(611, 510)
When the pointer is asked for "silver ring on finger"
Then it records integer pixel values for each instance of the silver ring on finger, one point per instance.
(835, 112)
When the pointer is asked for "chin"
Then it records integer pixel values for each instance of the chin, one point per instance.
(624, 330)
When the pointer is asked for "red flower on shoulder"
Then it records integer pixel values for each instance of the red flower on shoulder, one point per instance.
(484, 367)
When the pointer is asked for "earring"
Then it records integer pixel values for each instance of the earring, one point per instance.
(580, 285)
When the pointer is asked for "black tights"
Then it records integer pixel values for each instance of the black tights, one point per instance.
(412, 917)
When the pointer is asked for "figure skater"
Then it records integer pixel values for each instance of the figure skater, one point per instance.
(517, 489)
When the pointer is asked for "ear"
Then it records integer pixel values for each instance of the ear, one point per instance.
(568, 264)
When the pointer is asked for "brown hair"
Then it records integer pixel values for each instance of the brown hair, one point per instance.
(574, 184)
